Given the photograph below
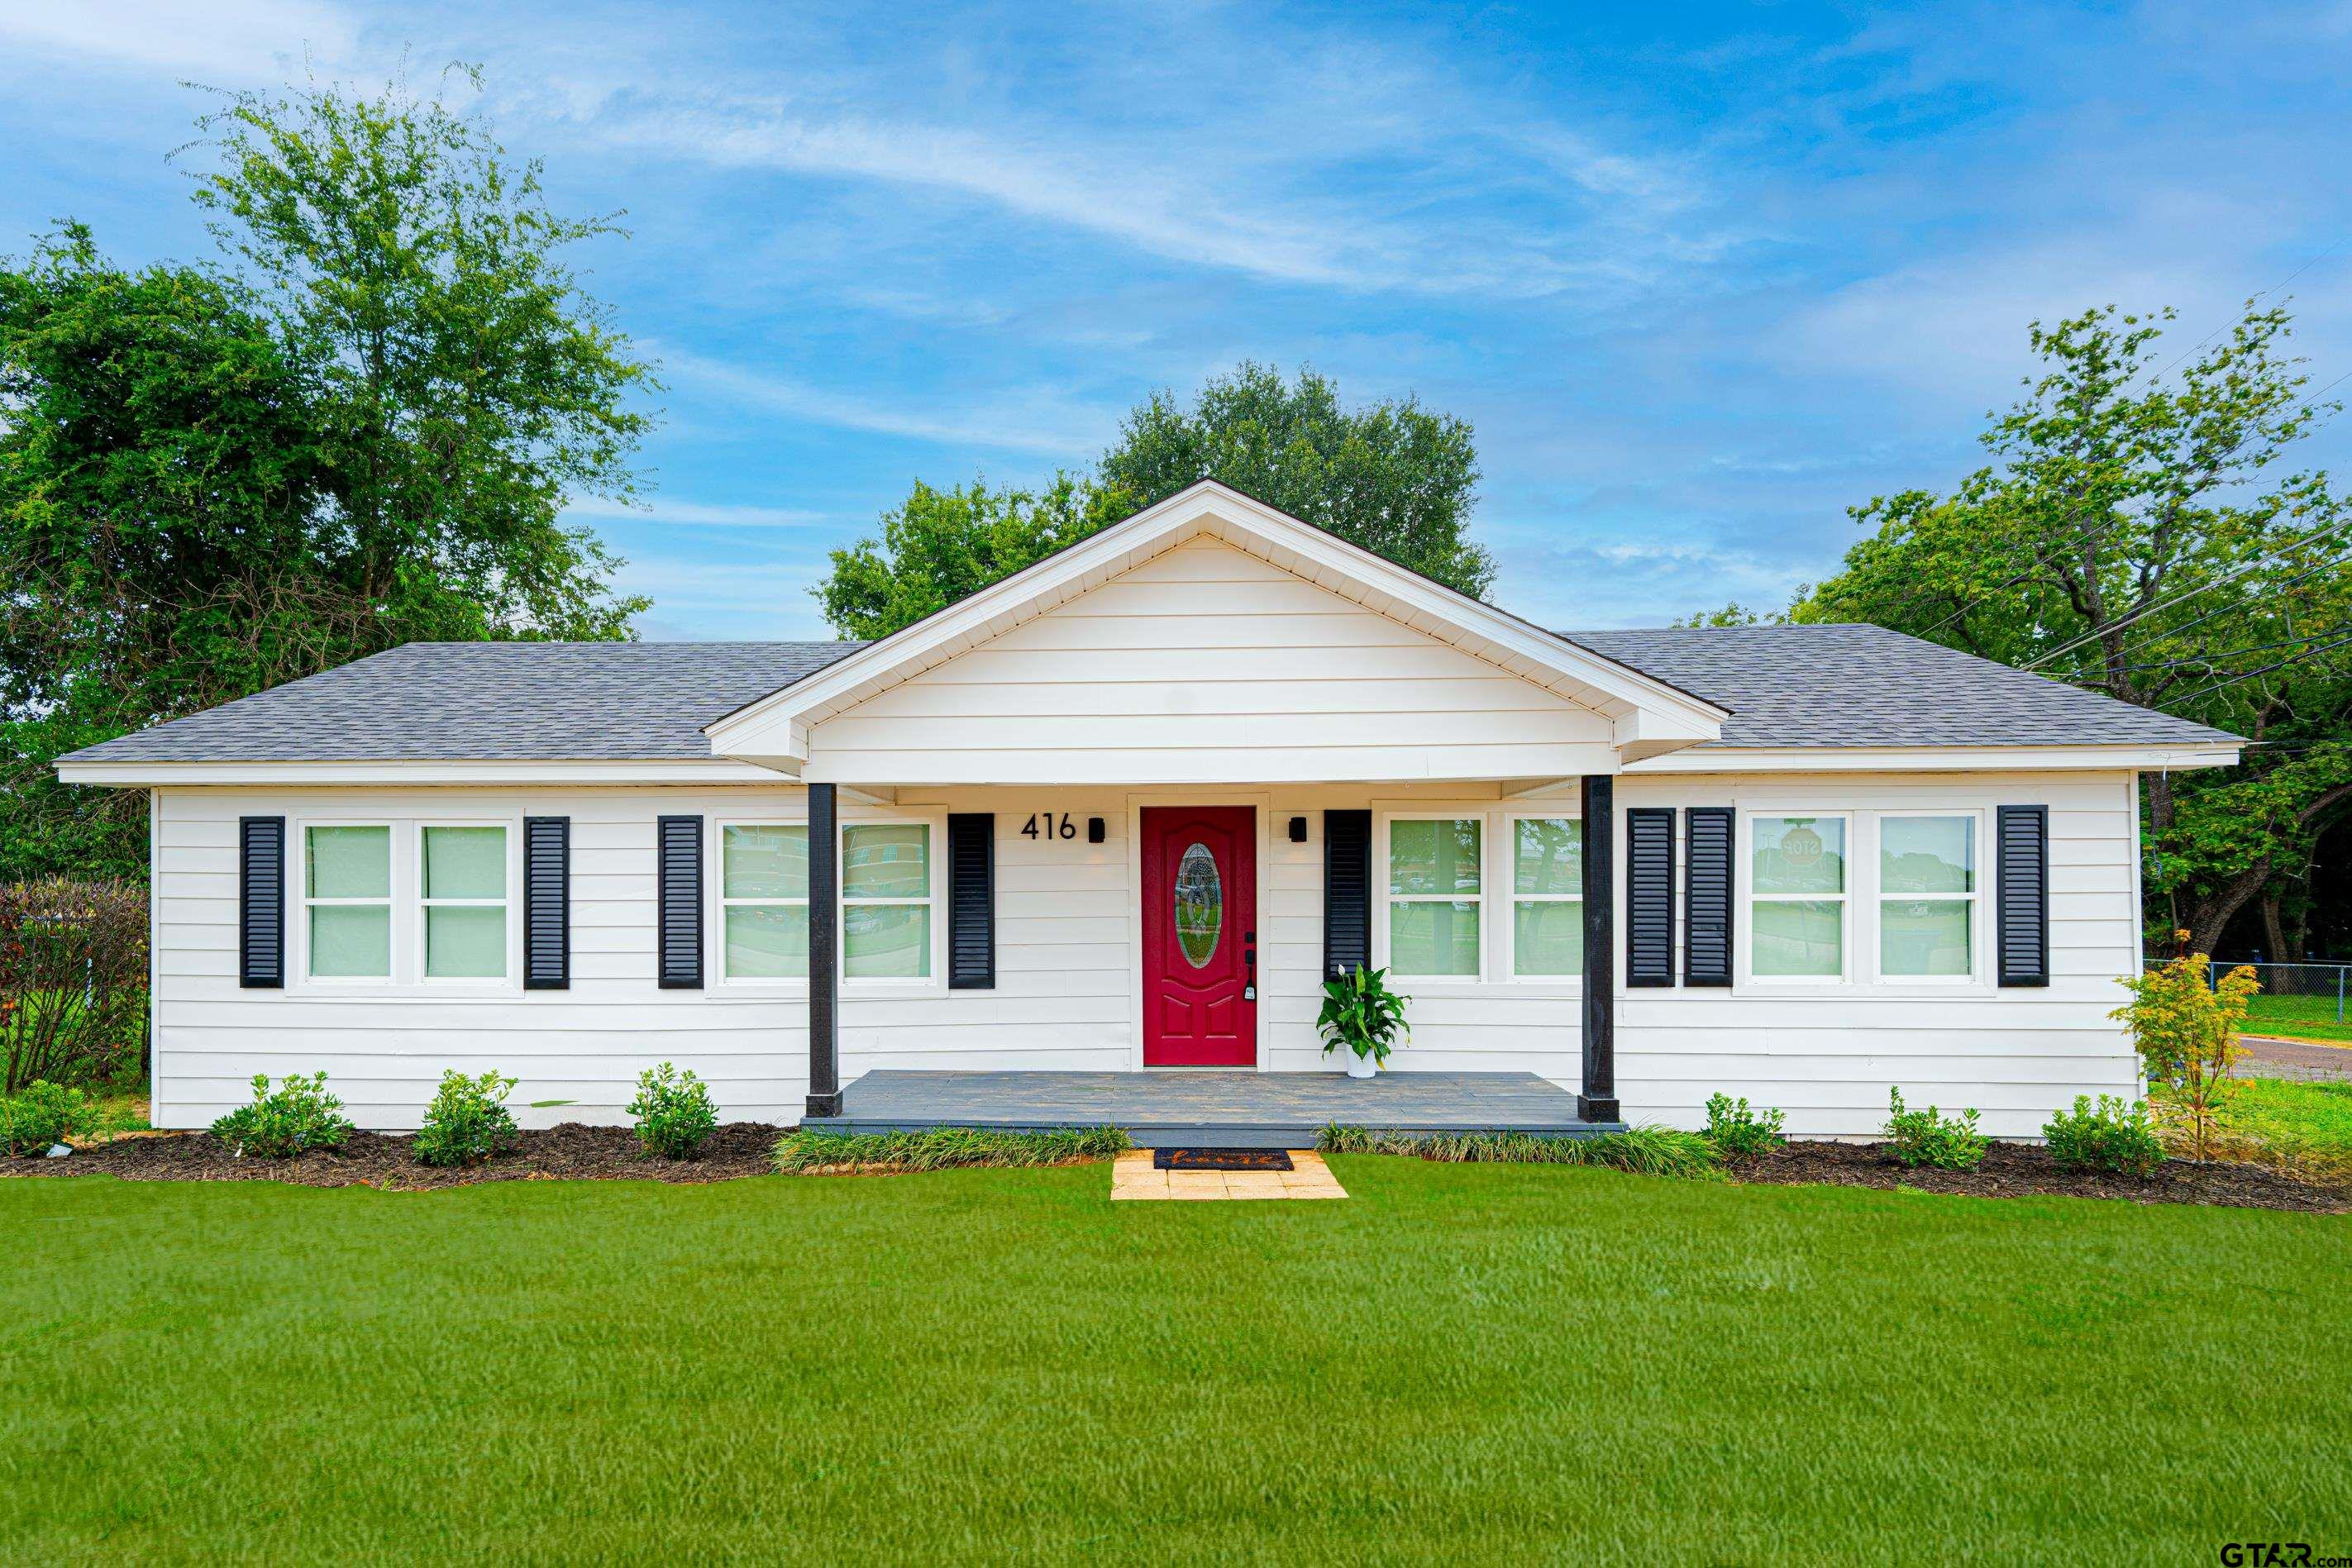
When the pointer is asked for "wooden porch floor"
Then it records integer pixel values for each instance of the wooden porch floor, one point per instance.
(1223, 1110)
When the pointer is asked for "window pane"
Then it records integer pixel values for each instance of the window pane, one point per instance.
(465, 862)
(1200, 906)
(1923, 936)
(351, 863)
(1547, 938)
(763, 861)
(1548, 855)
(466, 943)
(1927, 854)
(1800, 854)
(891, 859)
(1799, 938)
(1434, 857)
(1433, 938)
(350, 939)
(767, 943)
(890, 941)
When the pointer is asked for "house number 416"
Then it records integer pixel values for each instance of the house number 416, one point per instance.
(1045, 825)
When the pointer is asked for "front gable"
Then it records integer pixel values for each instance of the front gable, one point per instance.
(1210, 640)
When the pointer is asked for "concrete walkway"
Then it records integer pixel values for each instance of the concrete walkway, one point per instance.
(2267, 1058)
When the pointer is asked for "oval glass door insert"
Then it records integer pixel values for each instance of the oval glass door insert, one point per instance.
(1200, 906)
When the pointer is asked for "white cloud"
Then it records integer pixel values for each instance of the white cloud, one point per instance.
(227, 42)
(1037, 419)
(705, 514)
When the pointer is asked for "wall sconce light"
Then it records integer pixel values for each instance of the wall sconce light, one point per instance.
(1297, 829)
(1095, 830)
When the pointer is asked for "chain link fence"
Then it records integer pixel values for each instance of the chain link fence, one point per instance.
(2318, 989)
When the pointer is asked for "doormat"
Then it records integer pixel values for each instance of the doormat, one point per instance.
(1221, 1159)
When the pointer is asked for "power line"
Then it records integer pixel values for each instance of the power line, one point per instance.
(2187, 594)
(2186, 627)
(2266, 669)
(2209, 660)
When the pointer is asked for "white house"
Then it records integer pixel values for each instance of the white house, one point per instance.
(1800, 865)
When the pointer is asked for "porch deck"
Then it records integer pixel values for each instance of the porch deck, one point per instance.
(1222, 1110)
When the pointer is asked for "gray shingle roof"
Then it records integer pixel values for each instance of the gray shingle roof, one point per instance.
(1785, 685)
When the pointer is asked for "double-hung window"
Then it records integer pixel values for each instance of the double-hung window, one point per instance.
(886, 901)
(464, 894)
(1928, 886)
(347, 900)
(1435, 892)
(1797, 898)
(1547, 898)
(764, 900)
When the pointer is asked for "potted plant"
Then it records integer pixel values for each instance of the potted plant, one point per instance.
(1361, 1014)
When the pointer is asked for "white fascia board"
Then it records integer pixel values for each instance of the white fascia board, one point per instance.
(161, 775)
(776, 724)
(1933, 759)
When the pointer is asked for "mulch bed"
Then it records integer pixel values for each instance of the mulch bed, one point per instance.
(2021, 1170)
(570, 1152)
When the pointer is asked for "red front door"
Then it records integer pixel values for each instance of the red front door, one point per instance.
(1200, 936)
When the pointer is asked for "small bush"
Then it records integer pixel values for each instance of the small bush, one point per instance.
(943, 1148)
(298, 1115)
(73, 981)
(1737, 1133)
(2185, 1024)
(673, 1113)
(468, 1121)
(1652, 1150)
(1929, 1138)
(2113, 1137)
(41, 1115)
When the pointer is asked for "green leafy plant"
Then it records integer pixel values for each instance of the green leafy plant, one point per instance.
(2186, 1025)
(298, 1115)
(1928, 1137)
(42, 1115)
(673, 1113)
(468, 1121)
(2109, 1136)
(1361, 1014)
(1652, 1150)
(1737, 1133)
(943, 1148)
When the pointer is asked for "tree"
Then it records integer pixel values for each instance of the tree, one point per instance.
(216, 479)
(2136, 536)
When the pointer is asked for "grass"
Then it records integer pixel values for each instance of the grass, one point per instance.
(1653, 1151)
(1494, 1362)
(2311, 1118)
(2299, 1017)
(943, 1148)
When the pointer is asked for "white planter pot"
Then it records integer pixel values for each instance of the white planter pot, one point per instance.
(1361, 1066)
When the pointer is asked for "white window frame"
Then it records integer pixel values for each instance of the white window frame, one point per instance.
(1750, 815)
(935, 900)
(1381, 868)
(1506, 852)
(721, 902)
(509, 980)
(391, 901)
(1879, 898)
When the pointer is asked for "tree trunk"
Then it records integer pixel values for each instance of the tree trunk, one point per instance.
(2274, 927)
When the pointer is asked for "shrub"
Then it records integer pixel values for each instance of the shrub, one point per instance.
(73, 979)
(1929, 1138)
(298, 1115)
(1362, 1014)
(468, 1122)
(1737, 1133)
(42, 1115)
(943, 1148)
(2111, 1137)
(1652, 1150)
(2186, 1026)
(672, 1111)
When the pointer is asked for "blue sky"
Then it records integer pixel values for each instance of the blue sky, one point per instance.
(1700, 277)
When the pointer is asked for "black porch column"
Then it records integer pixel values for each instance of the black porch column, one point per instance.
(1597, 1101)
(824, 947)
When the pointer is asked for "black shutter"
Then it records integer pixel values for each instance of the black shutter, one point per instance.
(1649, 897)
(1347, 892)
(546, 903)
(2023, 888)
(677, 901)
(972, 901)
(1706, 896)
(261, 902)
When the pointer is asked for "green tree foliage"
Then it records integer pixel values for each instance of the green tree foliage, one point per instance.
(1393, 478)
(358, 433)
(2142, 533)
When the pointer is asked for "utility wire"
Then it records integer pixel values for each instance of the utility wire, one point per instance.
(2187, 626)
(2209, 660)
(2266, 669)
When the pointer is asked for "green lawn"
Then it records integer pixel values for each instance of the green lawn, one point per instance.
(2316, 1117)
(1493, 1363)
(2299, 1017)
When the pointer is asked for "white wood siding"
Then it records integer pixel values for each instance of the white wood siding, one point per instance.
(1206, 664)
